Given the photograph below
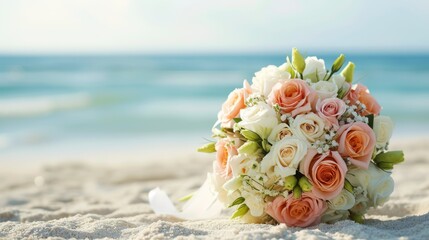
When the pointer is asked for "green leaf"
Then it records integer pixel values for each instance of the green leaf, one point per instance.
(237, 201)
(208, 148)
(370, 120)
(265, 145)
(385, 166)
(186, 198)
(348, 186)
(250, 135)
(241, 211)
(227, 130)
(237, 120)
(359, 218)
(393, 157)
(250, 147)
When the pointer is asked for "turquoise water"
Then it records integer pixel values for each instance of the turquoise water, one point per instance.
(49, 100)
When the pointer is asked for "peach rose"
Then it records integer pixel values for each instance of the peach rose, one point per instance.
(361, 93)
(225, 150)
(326, 172)
(329, 110)
(293, 96)
(303, 212)
(235, 102)
(356, 141)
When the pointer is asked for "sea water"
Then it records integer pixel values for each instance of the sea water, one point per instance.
(101, 102)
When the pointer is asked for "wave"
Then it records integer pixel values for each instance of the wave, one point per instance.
(16, 107)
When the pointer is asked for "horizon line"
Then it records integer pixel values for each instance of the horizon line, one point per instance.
(214, 53)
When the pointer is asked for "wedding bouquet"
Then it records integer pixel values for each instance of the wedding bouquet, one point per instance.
(302, 145)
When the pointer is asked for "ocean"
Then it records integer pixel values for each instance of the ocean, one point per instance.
(68, 104)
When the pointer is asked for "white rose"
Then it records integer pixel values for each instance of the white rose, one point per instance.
(344, 201)
(279, 132)
(267, 77)
(308, 127)
(380, 186)
(377, 183)
(325, 89)
(260, 118)
(383, 127)
(314, 69)
(358, 177)
(332, 216)
(284, 157)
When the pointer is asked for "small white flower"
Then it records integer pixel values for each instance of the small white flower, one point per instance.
(255, 202)
(233, 184)
(361, 200)
(244, 164)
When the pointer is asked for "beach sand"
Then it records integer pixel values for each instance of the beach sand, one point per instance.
(108, 200)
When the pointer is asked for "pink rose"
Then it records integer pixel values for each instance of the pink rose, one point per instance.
(330, 109)
(356, 141)
(326, 172)
(303, 212)
(361, 93)
(293, 96)
(232, 106)
(225, 150)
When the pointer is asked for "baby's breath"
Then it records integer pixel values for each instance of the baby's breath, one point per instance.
(253, 100)
(326, 143)
(353, 113)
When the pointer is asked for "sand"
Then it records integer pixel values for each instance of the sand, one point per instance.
(109, 200)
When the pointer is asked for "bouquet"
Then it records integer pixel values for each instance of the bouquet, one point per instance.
(302, 145)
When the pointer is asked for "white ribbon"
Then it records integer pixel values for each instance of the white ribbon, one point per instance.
(203, 204)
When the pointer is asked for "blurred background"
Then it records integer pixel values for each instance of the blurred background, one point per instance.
(121, 79)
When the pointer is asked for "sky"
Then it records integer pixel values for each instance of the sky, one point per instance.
(172, 26)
